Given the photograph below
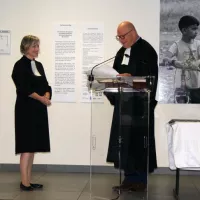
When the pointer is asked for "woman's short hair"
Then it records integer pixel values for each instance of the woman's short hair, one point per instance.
(27, 41)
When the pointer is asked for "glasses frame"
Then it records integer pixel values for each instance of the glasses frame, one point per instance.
(118, 37)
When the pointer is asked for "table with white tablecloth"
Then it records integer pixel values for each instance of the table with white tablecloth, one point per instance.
(183, 147)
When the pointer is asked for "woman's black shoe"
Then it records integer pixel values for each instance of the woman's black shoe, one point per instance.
(26, 188)
(36, 186)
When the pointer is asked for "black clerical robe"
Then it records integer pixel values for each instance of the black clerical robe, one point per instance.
(31, 117)
(134, 120)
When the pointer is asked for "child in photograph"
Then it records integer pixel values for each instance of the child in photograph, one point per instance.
(184, 55)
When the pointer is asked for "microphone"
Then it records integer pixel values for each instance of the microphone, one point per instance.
(91, 76)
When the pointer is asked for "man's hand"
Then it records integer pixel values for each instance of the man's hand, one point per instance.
(124, 74)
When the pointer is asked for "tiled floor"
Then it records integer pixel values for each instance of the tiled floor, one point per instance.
(63, 186)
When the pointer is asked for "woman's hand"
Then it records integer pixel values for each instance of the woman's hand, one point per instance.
(47, 95)
(45, 100)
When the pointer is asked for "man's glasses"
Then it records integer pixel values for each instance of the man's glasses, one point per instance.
(118, 37)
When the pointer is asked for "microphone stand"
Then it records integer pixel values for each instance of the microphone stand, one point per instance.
(120, 137)
(91, 76)
(91, 79)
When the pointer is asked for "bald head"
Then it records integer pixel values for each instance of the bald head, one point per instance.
(126, 25)
(127, 34)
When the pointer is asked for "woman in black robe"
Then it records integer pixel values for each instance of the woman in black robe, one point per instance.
(31, 118)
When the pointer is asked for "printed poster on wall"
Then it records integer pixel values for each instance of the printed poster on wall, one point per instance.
(92, 53)
(5, 40)
(179, 64)
(64, 63)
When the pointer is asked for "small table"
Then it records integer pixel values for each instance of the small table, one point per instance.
(183, 140)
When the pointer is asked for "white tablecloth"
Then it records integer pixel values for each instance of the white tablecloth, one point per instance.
(184, 145)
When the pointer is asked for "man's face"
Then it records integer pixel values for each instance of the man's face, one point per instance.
(126, 36)
(191, 32)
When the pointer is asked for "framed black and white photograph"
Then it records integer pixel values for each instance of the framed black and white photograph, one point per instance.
(179, 57)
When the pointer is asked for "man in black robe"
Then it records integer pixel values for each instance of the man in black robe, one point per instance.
(136, 57)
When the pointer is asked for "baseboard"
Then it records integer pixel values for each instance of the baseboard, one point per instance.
(86, 169)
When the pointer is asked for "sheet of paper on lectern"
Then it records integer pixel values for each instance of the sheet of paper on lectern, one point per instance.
(96, 85)
(104, 71)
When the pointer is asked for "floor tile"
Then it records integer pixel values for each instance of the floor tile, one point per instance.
(43, 195)
(77, 186)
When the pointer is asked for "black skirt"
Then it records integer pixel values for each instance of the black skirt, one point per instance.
(31, 126)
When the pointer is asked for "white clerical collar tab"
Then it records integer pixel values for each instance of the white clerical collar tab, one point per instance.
(34, 68)
(126, 57)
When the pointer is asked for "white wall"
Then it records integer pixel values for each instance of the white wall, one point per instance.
(69, 122)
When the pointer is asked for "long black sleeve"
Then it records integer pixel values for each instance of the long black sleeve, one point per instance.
(21, 79)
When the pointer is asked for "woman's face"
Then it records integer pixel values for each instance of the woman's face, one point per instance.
(33, 50)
